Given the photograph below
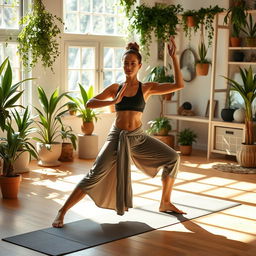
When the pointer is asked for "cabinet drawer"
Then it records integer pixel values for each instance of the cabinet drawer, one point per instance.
(228, 139)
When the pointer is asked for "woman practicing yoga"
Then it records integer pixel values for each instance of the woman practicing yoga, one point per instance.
(108, 182)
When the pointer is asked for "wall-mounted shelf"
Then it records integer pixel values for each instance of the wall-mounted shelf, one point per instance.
(199, 119)
(241, 63)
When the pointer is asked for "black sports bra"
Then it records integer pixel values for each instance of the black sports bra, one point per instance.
(133, 103)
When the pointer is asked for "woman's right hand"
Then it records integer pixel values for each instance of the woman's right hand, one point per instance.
(120, 94)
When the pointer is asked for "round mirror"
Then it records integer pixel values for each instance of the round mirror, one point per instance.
(188, 64)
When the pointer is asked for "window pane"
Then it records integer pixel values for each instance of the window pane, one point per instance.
(109, 25)
(10, 16)
(97, 5)
(71, 22)
(98, 24)
(85, 6)
(110, 6)
(71, 5)
(108, 57)
(88, 78)
(85, 24)
(73, 57)
(120, 77)
(108, 78)
(73, 79)
(121, 25)
(118, 57)
(88, 58)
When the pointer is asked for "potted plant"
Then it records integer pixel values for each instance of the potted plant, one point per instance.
(202, 65)
(250, 31)
(186, 138)
(160, 19)
(71, 108)
(236, 16)
(25, 129)
(247, 90)
(228, 112)
(161, 74)
(69, 140)
(49, 127)
(87, 114)
(38, 38)
(9, 95)
(160, 128)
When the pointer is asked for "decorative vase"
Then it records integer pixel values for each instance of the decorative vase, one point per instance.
(49, 157)
(246, 155)
(22, 162)
(239, 115)
(10, 186)
(227, 114)
(202, 69)
(87, 128)
(186, 150)
(66, 152)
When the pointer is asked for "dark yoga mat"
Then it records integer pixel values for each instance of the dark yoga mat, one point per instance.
(105, 226)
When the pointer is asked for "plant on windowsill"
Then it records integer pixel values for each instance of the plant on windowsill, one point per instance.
(160, 19)
(250, 31)
(186, 138)
(49, 127)
(69, 140)
(38, 37)
(87, 114)
(202, 65)
(247, 90)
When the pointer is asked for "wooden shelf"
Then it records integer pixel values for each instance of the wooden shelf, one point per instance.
(200, 119)
(242, 48)
(218, 122)
(241, 63)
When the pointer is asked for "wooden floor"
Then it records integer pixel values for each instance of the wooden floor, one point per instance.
(231, 232)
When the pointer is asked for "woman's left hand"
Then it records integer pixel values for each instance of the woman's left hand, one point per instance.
(171, 47)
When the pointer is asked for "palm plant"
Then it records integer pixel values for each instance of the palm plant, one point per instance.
(49, 117)
(247, 90)
(9, 94)
(202, 52)
(87, 114)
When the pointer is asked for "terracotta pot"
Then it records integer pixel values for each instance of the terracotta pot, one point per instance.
(250, 41)
(48, 157)
(246, 155)
(87, 128)
(163, 132)
(202, 69)
(186, 150)
(190, 21)
(168, 139)
(66, 152)
(10, 186)
(72, 112)
(235, 41)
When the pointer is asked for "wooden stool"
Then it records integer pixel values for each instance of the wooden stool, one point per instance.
(87, 146)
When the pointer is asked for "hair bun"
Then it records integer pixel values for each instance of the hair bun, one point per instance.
(133, 46)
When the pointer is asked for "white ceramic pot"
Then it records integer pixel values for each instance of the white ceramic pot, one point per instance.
(239, 115)
(22, 162)
(49, 157)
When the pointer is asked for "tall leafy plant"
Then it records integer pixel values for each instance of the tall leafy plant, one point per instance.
(247, 90)
(38, 38)
(49, 117)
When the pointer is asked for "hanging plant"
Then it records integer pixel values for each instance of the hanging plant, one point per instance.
(37, 40)
(160, 19)
(127, 4)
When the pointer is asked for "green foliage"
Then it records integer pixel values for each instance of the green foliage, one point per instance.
(236, 15)
(127, 4)
(87, 114)
(160, 19)
(158, 124)
(202, 52)
(67, 134)
(49, 117)
(37, 40)
(247, 90)
(250, 27)
(160, 74)
(9, 94)
(186, 137)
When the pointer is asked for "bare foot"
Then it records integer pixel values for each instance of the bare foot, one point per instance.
(169, 207)
(58, 221)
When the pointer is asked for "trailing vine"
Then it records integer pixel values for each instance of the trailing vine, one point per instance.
(37, 40)
(127, 4)
(160, 19)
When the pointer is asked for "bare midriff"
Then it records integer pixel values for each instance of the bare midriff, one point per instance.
(128, 120)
